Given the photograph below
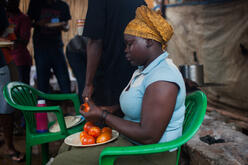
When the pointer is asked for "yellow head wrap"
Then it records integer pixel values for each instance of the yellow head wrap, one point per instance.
(150, 24)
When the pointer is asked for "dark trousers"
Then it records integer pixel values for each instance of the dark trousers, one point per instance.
(24, 73)
(47, 58)
(78, 64)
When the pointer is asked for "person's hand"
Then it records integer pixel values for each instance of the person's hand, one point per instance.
(58, 26)
(94, 114)
(65, 27)
(110, 109)
(88, 91)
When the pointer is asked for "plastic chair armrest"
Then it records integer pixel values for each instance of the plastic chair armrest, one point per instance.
(61, 121)
(59, 114)
(114, 152)
(39, 109)
(55, 109)
(68, 96)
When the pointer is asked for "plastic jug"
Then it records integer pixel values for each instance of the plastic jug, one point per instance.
(41, 118)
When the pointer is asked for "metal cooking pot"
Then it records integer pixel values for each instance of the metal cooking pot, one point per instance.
(193, 72)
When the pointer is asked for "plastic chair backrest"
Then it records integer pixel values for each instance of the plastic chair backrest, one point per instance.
(19, 94)
(196, 105)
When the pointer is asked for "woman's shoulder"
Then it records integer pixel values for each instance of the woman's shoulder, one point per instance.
(165, 71)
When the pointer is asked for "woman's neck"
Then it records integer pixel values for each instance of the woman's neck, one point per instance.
(154, 52)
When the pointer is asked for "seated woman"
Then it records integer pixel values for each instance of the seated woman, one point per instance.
(152, 103)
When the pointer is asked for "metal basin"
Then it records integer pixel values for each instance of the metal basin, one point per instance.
(193, 72)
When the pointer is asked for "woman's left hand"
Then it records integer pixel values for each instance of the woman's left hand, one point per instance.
(94, 114)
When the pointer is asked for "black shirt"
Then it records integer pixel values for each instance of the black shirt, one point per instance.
(106, 20)
(3, 25)
(46, 37)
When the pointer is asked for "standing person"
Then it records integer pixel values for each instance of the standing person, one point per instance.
(104, 26)
(50, 18)
(6, 112)
(22, 27)
(76, 56)
(9, 35)
(154, 98)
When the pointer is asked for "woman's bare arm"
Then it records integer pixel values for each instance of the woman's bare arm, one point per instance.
(157, 108)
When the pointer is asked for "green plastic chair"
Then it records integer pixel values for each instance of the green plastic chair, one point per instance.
(196, 104)
(23, 97)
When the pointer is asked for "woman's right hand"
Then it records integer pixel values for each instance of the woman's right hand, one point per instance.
(94, 114)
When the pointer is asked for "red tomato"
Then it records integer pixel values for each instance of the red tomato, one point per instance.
(85, 107)
(94, 131)
(88, 140)
(106, 129)
(104, 137)
(87, 126)
(83, 134)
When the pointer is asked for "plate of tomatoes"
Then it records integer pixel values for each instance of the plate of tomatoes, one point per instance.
(91, 136)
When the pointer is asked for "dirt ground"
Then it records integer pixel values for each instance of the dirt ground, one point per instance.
(19, 142)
